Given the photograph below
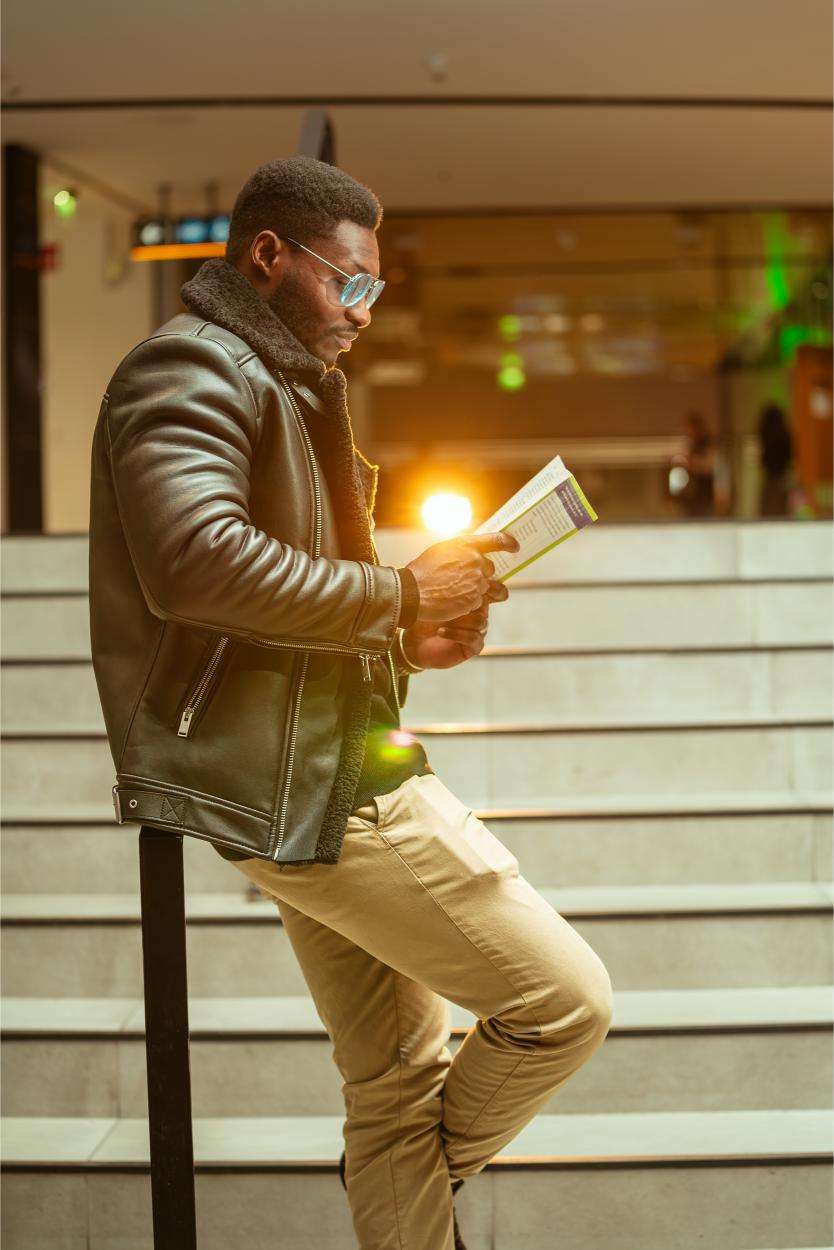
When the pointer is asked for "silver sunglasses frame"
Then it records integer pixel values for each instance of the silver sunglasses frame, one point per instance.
(374, 290)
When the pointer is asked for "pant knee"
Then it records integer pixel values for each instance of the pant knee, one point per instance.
(589, 1009)
(599, 1000)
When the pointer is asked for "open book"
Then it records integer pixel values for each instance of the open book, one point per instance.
(549, 509)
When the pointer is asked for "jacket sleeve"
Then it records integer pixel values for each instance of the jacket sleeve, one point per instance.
(182, 426)
(410, 606)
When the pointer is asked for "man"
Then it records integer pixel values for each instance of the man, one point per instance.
(252, 655)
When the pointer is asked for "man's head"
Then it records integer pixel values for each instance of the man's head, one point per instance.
(326, 210)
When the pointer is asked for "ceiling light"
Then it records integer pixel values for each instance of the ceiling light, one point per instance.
(65, 202)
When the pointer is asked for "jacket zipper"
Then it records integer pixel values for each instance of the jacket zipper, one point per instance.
(304, 644)
(392, 670)
(200, 688)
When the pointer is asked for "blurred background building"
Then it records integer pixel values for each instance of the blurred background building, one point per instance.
(598, 222)
(607, 235)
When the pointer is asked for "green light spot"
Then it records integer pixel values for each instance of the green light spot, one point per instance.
(393, 754)
(511, 378)
(791, 336)
(511, 375)
(65, 203)
(509, 327)
(776, 238)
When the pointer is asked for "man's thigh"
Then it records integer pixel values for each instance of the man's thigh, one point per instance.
(430, 891)
(375, 1017)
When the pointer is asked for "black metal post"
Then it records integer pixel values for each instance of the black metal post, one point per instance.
(166, 1039)
(23, 486)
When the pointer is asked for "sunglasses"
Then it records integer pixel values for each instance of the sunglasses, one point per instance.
(358, 286)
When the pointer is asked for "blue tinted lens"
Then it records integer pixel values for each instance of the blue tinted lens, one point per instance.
(353, 291)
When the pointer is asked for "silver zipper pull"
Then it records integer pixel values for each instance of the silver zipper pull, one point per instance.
(185, 722)
(366, 668)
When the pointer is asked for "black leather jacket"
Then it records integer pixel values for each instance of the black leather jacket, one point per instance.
(236, 599)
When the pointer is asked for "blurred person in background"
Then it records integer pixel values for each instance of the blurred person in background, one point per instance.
(699, 461)
(251, 691)
(775, 457)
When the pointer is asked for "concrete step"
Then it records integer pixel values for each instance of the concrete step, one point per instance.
(644, 848)
(649, 937)
(651, 616)
(504, 686)
(616, 1182)
(501, 765)
(687, 551)
(578, 617)
(595, 901)
(753, 1050)
(544, 687)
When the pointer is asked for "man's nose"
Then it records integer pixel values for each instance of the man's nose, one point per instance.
(358, 315)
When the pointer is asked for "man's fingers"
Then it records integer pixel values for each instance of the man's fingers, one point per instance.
(497, 541)
(497, 591)
(468, 621)
(469, 637)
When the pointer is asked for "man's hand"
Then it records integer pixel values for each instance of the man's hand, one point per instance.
(444, 644)
(454, 576)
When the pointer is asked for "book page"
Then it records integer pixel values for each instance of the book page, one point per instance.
(548, 520)
(544, 481)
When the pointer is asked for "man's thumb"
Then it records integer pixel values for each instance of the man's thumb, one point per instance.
(495, 541)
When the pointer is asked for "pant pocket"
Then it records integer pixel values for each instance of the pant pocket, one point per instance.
(489, 848)
(440, 836)
(367, 815)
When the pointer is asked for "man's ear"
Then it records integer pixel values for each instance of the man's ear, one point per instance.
(267, 253)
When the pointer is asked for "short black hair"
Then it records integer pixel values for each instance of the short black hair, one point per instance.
(301, 197)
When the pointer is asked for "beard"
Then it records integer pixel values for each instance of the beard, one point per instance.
(293, 305)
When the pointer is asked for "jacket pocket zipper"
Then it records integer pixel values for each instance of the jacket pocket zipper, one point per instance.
(304, 644)
(198, 692)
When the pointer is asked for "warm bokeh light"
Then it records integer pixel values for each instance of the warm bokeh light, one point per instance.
(446, 513)
(678, 479)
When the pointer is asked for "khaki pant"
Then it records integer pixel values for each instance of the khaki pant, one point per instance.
(426, 904)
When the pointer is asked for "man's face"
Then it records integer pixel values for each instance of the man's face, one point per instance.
(304, 292)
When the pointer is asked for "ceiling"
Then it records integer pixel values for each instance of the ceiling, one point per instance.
(737, 48)
(744, 119)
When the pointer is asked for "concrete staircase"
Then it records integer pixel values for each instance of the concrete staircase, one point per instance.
(650, 732)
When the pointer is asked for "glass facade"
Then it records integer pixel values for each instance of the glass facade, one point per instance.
(644, 347)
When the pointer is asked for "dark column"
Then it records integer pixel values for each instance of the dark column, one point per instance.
(166, 1039)
(21, 341)
(167, 277)
(318, 137)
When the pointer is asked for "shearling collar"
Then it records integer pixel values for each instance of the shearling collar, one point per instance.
(220, 293)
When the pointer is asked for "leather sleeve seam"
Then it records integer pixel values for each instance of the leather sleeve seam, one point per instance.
(198, 333)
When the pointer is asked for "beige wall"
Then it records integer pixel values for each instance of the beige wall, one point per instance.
(95, 306)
